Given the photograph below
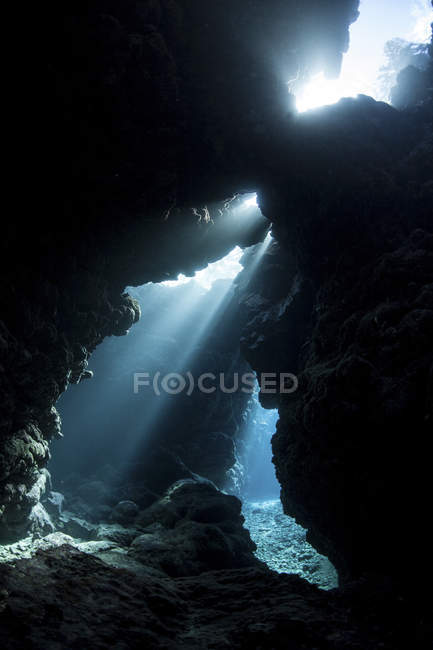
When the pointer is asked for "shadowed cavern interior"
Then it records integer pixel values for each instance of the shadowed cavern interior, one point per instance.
(156, 521)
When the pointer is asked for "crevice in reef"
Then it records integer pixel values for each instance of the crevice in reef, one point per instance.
(281, 542)
(282, 545)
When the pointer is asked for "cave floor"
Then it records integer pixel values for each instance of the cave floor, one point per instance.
(282, 546)
(66, 591)
(64, 598)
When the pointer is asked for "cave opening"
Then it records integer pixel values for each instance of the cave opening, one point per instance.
(381, 44)
(281, 543)
(135, 428)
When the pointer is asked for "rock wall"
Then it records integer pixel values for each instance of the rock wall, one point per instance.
(349, 309)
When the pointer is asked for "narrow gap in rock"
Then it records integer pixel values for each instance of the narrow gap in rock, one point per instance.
(281, 542)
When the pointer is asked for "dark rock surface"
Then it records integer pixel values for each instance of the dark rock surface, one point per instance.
(192, 529)
(76, 527)
(65, 598)
(349, 311)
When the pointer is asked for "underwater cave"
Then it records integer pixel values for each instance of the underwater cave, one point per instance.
(216, 363)
(125, 426)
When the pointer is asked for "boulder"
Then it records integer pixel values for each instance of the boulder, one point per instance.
(115, 533)
(194, 528)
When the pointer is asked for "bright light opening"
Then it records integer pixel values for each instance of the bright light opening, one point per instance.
(251, 202)
(225, 269)
(379, 22)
